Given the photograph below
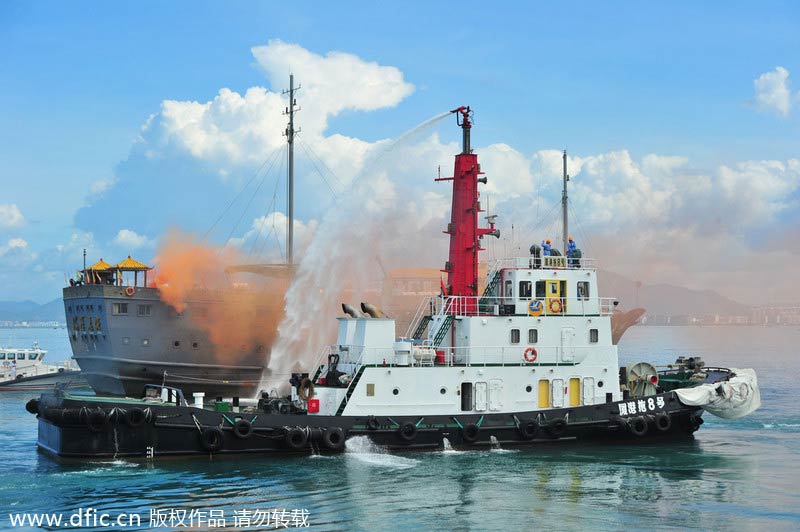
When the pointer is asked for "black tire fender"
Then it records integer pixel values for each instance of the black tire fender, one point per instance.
(135, 417)
(557, 427)
(333, 438)
(638, 426)
(296, 438)
(373, 423)
(407, 431)
(663, 422)
(96, 421)
(470, 433)
(212, 439)
(242, 429)
(32, 406)
(528, 429)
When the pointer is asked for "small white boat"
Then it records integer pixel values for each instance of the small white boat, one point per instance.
(24, 369)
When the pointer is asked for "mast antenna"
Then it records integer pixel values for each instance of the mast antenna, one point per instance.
(564, 199)
(290, 132)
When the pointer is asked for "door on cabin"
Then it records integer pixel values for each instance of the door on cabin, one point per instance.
(495, 392)
(567, 344)
(480, 396)
(588, 390)
(557, 393)
(574, 391)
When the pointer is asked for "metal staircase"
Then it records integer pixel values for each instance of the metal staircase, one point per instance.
(350, 390)
(420, 330)
(443, 328)
(484, 303)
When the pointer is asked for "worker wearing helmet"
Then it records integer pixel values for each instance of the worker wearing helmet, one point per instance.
(546, 248)
(571, 248)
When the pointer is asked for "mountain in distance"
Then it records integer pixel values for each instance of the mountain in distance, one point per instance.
(31, 311)
(668, 300)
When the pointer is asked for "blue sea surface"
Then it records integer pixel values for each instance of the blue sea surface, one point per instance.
(734, 475)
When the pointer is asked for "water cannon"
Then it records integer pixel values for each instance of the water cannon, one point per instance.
(464, 119)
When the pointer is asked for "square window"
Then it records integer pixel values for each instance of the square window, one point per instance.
(514, 336)
(119, 309)
(540, 293)
(583, 290)
(145, 342)
(524, 289)
(144, 310)
(533, 336)
(593, 336)
(509, 292)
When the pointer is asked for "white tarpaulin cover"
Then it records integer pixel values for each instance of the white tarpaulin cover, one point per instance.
(732, 399)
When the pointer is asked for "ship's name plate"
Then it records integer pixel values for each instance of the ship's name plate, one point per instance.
(554, 262)
(641, 406)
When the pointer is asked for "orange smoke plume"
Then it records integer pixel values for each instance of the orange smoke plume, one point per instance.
(239, 319)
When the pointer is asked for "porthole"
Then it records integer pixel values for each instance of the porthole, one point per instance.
(396, 391)
(529, 388)
(599, 384)
(176, 343)
(442, 390)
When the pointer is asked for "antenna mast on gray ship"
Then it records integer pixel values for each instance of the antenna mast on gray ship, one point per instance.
(289, 134)
(564, 199)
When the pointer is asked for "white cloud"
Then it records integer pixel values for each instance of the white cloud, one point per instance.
(11, 216)
(266, 237)
(773, 91)
(130, 239)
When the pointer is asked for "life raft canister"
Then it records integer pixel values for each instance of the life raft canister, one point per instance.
(129, 291)
(530, 354)
(535, 307)
(555, 306)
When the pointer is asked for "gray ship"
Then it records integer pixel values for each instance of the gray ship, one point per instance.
(124, 335)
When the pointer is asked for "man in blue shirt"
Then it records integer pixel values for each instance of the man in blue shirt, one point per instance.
(546, 248)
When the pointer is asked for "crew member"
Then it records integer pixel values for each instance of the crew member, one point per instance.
(546, 248)
(571, 248)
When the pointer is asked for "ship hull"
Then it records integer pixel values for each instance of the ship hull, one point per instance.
(122, 342)
(98, 428)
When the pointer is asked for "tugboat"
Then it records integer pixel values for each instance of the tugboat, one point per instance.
(529, 361)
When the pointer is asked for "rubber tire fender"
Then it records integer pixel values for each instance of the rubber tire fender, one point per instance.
(242, 429)
(470, 433)
(32, 406)
(373, 423)
(135, 417)
(663, 422)
(407, 431)
(333, 438)
(97, 421)
(212, 439)
(528, 429)
(557, 427)
(296, 438)
(638, 426)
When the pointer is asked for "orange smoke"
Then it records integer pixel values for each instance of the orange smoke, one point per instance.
(239, 319)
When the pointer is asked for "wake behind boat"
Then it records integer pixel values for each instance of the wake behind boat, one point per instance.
(531, 360)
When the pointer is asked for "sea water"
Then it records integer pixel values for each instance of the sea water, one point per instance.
(734, 475)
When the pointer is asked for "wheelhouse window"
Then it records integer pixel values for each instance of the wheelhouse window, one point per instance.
(524, 289)
(12, 356)
(593, 336)
(514, 336)
(32, 356)
(533, 336)
(2, 356)
(509, 292)
(119, 309)
(540, 289)
(583, 290)
(144, 310)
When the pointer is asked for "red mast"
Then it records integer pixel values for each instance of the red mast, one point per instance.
(465, 235)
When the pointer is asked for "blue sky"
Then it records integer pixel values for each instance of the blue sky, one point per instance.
(81, 79)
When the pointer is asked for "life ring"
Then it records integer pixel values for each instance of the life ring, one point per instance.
(528, 430)
(555, 305)
(96, 421)
(296, 438)
(135, 417)
(333, 438)
(306, 389)
(663, 422)
(129, 291)
(638, 426)
(211, 439)
(530, 354)
(470, 433)
(407, 431)
(535, 307)
(242, 429)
